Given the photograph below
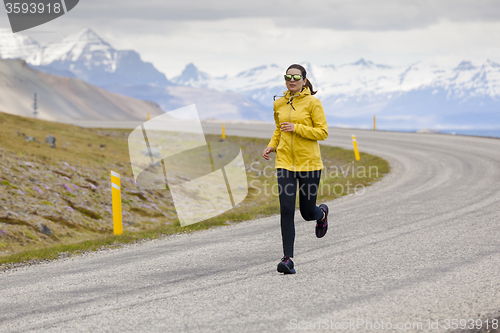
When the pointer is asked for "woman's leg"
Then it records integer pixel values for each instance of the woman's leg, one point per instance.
(308, 192)
(287, 186)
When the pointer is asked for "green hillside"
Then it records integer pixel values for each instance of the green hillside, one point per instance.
(58, 199)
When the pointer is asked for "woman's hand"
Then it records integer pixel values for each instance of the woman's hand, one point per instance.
(287, 127)
(266, 152)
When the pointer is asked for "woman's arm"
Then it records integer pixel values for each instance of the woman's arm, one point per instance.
(319, 130)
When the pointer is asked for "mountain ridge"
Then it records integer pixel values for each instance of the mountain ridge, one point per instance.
(418, 95)
(64, 99)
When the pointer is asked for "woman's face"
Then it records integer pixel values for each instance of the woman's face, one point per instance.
(292, 85)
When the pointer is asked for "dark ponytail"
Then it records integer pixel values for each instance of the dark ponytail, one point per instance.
(304, 75)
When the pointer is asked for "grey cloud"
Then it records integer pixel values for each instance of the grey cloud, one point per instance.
(332, 14)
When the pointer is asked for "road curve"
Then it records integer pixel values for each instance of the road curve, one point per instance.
(419, 246)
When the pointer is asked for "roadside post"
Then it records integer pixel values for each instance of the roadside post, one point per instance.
(116, 196)
(35, 106)
(223, 132)
(355, 144)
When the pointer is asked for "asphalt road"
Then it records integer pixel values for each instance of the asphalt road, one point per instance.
(421, 245)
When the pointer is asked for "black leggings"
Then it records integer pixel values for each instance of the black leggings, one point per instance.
(308, 191)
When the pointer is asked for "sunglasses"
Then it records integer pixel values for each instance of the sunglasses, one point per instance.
(296, 77)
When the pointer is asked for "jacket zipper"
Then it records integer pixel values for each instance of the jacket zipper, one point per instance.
(291, 145)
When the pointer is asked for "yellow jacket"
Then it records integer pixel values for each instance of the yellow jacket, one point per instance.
(299, 150)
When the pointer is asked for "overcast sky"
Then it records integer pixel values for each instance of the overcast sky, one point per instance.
(228, 36)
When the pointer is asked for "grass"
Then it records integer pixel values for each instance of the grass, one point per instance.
(29, 234)
(87, 226)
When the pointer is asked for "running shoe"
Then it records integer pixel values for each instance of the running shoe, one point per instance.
(286, 266)
(322, 225)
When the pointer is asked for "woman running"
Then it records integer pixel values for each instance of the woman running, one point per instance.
(300, 123)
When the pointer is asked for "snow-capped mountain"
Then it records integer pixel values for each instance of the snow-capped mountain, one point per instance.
(405, 97)
(14, 46)
(192, 77)
(421, 95)
(90, 58)
(364, 78)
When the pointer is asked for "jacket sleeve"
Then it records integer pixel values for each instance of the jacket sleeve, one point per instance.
(275, 140)
(319, 130)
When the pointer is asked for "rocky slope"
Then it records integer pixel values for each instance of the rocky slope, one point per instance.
(61, 98)
(62, 195)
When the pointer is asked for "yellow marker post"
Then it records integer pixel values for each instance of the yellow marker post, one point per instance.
(223, 131)
(374, 124)
(148, 116)
(355, 144)
(116, 195)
